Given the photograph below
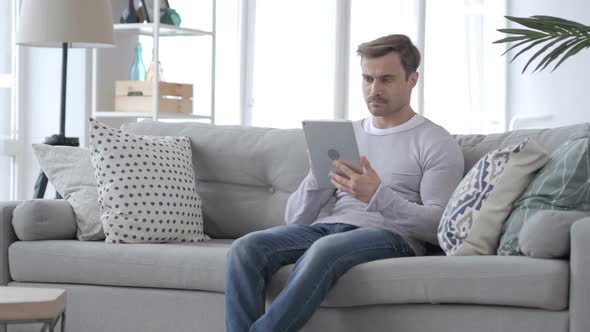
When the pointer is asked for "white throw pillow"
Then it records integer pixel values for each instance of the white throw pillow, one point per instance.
(70, 171)
(471, 223)
(146, 187)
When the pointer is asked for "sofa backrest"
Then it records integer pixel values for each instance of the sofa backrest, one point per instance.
(246, 174)
(476, 146)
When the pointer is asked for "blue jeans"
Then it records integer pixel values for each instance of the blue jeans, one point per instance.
(322, 253)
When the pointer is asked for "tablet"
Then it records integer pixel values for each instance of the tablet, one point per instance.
(328, 141)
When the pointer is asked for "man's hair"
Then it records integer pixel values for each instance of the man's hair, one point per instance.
(409, 54)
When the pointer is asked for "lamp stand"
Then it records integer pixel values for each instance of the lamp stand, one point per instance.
(59, 139)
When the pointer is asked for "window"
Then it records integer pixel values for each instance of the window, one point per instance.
(8, 144)
(276, 60)
(371, 19)
(464, 75)
(293, 70)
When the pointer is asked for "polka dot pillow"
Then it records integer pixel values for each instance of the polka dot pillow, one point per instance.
(146, 187)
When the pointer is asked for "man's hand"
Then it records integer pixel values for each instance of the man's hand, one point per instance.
(360, 186)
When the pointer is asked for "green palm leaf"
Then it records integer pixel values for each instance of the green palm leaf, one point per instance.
(541, 51)
(566, 37)
(553, 55)
(573, 50)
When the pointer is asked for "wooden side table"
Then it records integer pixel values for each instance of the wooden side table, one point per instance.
(19, 305)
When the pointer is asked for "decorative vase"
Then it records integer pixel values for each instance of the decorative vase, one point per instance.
(169, 16)
(129, 15)
(137, 72)
(150, 72)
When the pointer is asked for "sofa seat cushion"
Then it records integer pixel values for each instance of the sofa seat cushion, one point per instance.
(489, 280)
(194, 266)
(494, 280)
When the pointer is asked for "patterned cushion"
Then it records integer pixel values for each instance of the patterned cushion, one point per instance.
(561, 185)
(146, 187)
(473, 218)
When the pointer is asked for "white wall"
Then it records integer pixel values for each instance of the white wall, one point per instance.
(563, 94)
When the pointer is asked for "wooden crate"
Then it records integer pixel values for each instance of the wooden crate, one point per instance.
(174, 97)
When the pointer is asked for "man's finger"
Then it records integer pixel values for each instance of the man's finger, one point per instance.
(339, 178)
(366, 165)
(337, 185)
(343, 183)
(345, 169)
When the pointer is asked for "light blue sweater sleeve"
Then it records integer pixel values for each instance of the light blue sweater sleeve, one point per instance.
(442, 172)
(305, 204)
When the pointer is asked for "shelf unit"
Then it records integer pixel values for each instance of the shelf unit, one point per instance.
(111, 68)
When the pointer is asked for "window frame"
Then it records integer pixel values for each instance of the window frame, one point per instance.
(12, 146)
(341, 61)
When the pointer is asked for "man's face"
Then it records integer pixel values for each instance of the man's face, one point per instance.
(385, 87)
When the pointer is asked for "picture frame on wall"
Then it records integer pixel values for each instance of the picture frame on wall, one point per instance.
(148, 7)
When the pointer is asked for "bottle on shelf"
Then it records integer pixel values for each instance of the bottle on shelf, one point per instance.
(129, 14)
(150, 72)
(137, 72)
(143, 12)
(140, 12)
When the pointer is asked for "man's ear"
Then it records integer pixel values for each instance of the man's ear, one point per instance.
(413, 79)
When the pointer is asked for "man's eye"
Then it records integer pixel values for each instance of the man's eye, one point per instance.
(368, 79)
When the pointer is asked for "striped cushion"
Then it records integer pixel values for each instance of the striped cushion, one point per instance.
(561, 185)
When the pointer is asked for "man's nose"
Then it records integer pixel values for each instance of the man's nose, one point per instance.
(376, 89)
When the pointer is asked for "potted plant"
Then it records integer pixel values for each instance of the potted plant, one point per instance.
(560, 39)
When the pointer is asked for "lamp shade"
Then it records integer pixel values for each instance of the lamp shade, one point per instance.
(80, 23)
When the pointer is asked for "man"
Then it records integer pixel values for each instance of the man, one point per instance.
(389, 210)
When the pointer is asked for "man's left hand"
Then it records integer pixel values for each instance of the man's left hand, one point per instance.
(360, 186)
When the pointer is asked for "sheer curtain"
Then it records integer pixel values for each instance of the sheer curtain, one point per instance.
(293, 73)
(463, 72)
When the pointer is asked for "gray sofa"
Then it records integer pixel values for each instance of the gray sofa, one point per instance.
(244, 178)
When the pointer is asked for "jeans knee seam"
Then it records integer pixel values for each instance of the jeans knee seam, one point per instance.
(265, 260)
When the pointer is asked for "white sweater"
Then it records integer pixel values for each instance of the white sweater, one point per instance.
(419, 164)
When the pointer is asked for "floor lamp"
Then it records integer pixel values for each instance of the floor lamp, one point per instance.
(64, 24)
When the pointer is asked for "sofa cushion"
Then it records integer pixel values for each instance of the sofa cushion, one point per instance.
(561, 185)
(44, 219)
(492, 280)
(547, 233)
(471, 223)
(201, 266)
(146, 187)
(195, 266)
(70, 171)
(242, 171)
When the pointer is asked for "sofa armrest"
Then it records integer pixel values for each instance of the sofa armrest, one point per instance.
(7, 236)
(580, 276)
